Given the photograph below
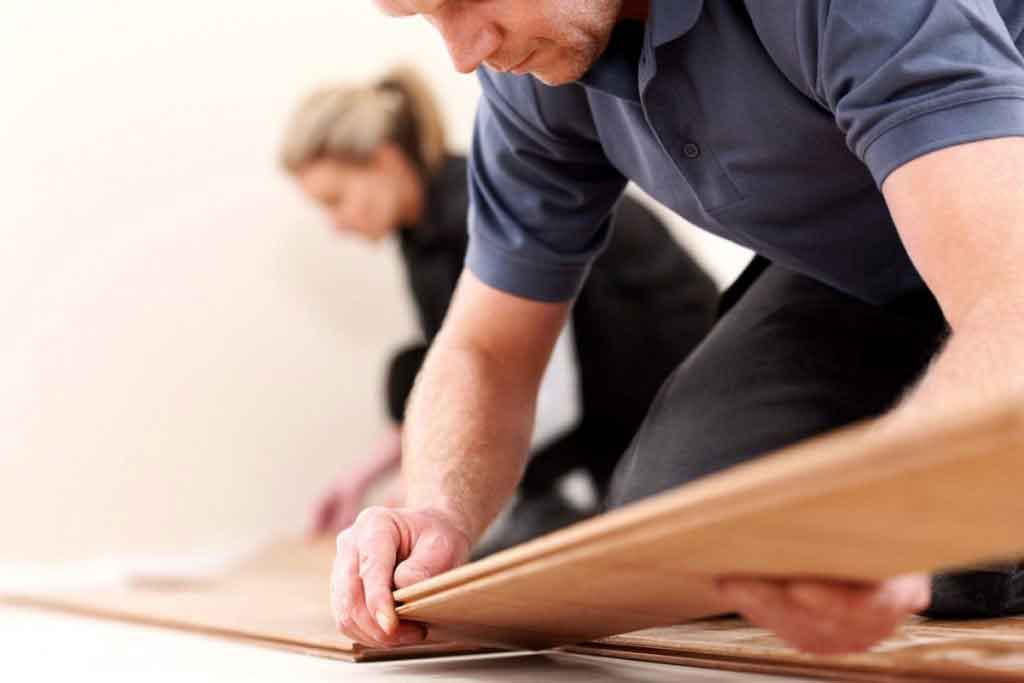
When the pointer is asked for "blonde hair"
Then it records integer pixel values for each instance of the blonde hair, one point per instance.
(350, 122)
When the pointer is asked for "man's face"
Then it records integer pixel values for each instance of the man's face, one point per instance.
(555, 40)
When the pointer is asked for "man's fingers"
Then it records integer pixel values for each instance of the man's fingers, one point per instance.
(379, 539)
(431, 554)
(768, 604)
(365, 571)
(825, 617)
(834, 599)
(893, 599)
(362, 618)
(347, 599)
(910, 593)
(343, 575)
(762, 596)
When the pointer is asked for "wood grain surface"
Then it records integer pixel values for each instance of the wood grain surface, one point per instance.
(278, 598)
(859, 504)
(976, 650)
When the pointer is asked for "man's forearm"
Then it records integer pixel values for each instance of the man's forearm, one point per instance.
(958, 211)
(982, 362)
(466, 435)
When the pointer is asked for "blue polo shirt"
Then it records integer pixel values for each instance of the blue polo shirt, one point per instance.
(771, 123)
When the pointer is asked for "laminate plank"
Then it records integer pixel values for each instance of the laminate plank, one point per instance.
(858, 504)
(962, 651)
(277, 598)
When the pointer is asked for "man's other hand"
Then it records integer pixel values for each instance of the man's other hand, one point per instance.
(826, 617)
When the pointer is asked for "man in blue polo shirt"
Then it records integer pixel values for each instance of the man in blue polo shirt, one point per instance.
(871, 153)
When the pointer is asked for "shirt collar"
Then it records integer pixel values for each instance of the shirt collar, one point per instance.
(670, 19)
(615, 71)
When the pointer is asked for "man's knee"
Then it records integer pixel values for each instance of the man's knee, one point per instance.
(790, 360)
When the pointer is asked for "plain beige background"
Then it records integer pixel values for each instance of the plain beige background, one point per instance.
(187, 353)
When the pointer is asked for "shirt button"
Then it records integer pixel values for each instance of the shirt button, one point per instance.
(691, 150)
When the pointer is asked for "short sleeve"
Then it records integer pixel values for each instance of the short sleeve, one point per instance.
(541, 188)
(902, 78)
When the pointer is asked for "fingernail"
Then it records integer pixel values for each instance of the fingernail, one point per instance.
(387, 620)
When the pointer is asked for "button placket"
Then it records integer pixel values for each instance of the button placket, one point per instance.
(677, 130)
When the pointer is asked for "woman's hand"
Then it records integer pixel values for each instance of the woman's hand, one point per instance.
(337, 507)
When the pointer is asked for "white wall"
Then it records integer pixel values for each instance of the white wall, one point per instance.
(186, 352)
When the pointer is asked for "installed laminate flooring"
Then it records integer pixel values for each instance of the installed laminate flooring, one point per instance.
(277, 598)
(938, 651)
(58, 648)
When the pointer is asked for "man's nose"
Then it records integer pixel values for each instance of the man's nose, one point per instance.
(469, 41)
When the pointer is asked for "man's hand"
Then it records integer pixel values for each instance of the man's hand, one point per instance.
(824, 617)
(385, 549)
(465, 441)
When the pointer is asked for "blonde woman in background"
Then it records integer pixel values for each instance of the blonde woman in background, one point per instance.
(374, 157)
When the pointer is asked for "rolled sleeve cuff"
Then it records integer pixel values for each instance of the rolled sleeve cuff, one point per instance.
(958, 123)
(528, 280)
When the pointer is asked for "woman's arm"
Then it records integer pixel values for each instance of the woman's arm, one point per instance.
(338, 506)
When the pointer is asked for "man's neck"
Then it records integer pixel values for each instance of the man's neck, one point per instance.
(635, 9)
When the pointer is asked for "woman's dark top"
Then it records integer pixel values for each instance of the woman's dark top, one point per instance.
(434, 250)
(645, 306)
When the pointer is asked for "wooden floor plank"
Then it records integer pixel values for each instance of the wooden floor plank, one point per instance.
(858, 504)
(276, 598)
(962, 651)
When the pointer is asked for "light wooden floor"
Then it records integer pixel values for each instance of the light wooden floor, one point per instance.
(43, 646)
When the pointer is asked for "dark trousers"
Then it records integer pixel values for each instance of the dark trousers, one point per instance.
(646, 305)
(789, 359)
